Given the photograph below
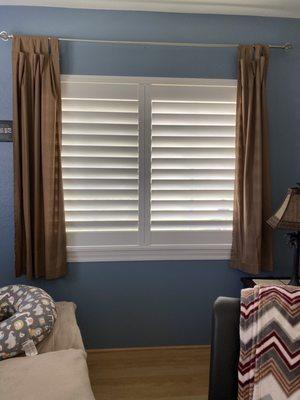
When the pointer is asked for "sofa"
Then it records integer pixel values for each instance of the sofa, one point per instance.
(58, 372)
(225, 347)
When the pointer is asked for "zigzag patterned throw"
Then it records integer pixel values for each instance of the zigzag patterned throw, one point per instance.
(269, 364)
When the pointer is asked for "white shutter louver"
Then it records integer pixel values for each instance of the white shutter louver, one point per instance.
(192, 157)
(100, 162)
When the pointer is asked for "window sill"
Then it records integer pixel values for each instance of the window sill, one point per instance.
(138, 253)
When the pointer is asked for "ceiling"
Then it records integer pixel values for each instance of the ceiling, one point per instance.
(268, 8)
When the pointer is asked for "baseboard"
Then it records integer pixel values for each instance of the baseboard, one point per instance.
(185, 347)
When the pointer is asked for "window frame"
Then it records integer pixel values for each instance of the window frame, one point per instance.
(145, 250)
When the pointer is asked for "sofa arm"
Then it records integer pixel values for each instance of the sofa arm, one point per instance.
(65, 334)
(225, 346)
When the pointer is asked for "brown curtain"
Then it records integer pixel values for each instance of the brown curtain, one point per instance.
(252, 241)
(40, 239)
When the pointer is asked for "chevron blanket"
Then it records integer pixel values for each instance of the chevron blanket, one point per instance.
(269, 364)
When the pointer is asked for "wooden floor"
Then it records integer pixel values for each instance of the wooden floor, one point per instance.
(144, 374)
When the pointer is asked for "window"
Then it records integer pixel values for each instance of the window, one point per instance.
(148, 167)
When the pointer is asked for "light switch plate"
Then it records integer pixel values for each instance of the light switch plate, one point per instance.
(6, 128)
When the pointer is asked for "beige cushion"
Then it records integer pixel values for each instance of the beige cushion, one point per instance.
(65, 334)
(59, 375)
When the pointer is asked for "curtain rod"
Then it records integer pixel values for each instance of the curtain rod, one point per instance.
(286, 46)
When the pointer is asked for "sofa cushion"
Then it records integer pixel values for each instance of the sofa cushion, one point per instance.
(65, 334)
(58, 375)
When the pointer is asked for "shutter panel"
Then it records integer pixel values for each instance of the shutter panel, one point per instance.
(100, 162)
(192, 160)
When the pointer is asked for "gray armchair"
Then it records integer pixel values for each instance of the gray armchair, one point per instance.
(225, 346)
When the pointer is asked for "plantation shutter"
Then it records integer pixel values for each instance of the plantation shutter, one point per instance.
(192, 163)
(148, 167)
(100, 145)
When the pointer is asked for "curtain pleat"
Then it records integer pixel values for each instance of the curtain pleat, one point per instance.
(40, 238)
(252, 240)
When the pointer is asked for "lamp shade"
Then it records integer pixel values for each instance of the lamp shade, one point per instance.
(288, 215)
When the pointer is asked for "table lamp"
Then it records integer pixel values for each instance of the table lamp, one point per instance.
(288, 217)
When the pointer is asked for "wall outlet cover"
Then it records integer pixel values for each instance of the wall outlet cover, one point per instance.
(6, 128)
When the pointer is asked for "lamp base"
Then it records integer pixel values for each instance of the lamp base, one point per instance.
(294, 281)
(294, 239)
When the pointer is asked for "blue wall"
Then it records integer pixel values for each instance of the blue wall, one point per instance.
(154, 303)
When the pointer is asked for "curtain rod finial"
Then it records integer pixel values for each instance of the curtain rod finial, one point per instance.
(5, 36)
(287, 46)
